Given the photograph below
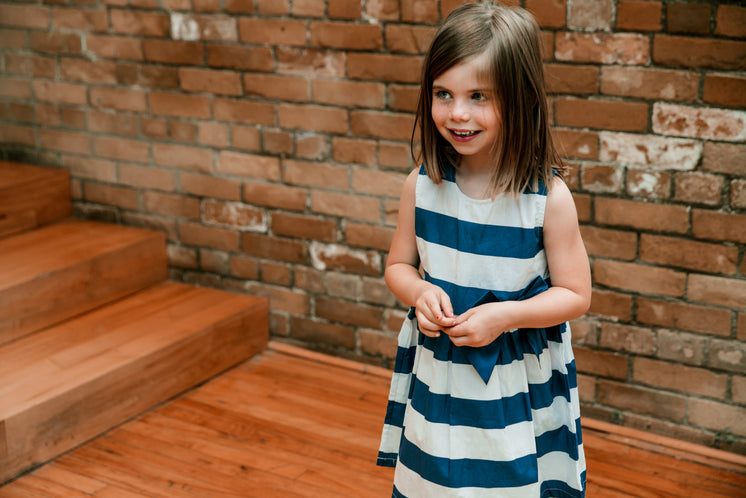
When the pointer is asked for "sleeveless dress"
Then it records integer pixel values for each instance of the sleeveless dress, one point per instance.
(502, 420)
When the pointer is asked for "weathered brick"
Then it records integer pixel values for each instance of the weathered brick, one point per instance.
(738, 194)
(373, 342)
(36, 65)
(638, 15)
(641, 400)
(292, 88)
(209, 81)
(195, 27)
(179, 206)
(717, 416)
(348, 93)
(725, 90)
(138, 22)
(275, 195)
(53, 91)
(639, 278)
(601, 114)
(602, 48)
(56, 43)
(698, 188)
(346, 205)
(714, 225)
(713, 124)
(304, 227)
(642, 215)
(682, 253)
(383, 67)
(576, 143)
(340, 258)
(310, 61)
(692, 18)
(209, 186)
(601, 178)
(121, 99)
(245, 58)
(248, 165)
(343, 285)
(350, 36)
(590, 14)
(272, 31)
(115, 47)
(276, 273)
(727, 355)
(729, 292)
(683, 316)
(281, 299)
(234, 215)
(679, 378)
(649, 83)
(627, 338)
(276, 248)
(710, 53)
(420, 11)
(611, 304)
(313, 146)
(648, 184)
(650, 151)
(244, 267)
(680, 347)
(548, 13)
(387, 10)
(731, 21)
(724, 158)
(214, 262)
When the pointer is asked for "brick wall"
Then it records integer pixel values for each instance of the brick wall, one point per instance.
(268, 140)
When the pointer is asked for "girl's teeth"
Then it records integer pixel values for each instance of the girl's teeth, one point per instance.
(464, 133)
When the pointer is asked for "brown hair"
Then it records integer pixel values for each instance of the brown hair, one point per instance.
(510, 36)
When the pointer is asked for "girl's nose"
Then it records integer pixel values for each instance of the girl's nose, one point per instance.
(459, 112)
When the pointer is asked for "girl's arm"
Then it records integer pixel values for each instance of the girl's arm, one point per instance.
(569, 296)
(432, 305)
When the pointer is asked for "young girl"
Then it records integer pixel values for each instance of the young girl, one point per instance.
(484, 398)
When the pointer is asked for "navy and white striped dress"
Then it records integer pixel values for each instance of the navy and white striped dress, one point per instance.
(498, 421)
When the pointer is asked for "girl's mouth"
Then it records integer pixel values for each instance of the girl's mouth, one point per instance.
(463, 135)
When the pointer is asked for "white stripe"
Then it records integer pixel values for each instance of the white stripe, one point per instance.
(458, 441)
(390, 439)
(413, 486)
(505, 210)
(475, 270)
(558, 466)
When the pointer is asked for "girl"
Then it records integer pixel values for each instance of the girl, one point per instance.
(484, 398)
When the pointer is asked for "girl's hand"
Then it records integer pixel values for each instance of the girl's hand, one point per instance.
(478, 326)
(433, 311)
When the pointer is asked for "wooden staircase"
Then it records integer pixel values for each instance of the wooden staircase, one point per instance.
(91, 331)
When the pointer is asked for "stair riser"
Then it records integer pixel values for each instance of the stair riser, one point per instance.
(26, 206)
(56, 296)
(49, 429)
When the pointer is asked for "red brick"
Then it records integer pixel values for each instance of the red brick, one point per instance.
(704, 123)
(626, 338)
(276, 142)
(601, 363)
(548, 13)
(638, 15)
(182, 257)
(601, 114)
(25, 16)
(203, 27)
(182, 131)
(679, 378)
(311, 61)
(642, 215)
(188, 106)
(692, 18)
(248, 165)
(173, 52)
(349, 36)
(710, 53)
(402, 97)
(729, 355)
(13, 38)
(272, 31)
(346, 205)
(576, 143)
(648, 184)
(698, 188)
(33, 65)
(87, 71)
(682, 253)
(375, 343)
(198, 235)
(601, 178)
(576, 79)
(311, 174)
(214, 134)
(269, 86)
(304, 227)
(348, 93)
(739, 390)
(244, 267)
(609, 243)
(738, 194)
(729, 292)
(313, 118)
(333, 257)
(179, 206)
(684, 316)
(121, 99)
(274, 195)
(724, 158)
(384, 67)
(649, 83)
(312, 146)
(214, 262)
(329, 334)
(408, 39)
(714, 225)
(110, 195)
(240, 6)
(276, 273)
(115, 47)
(270, 247)
(639, 278)
(384, 10)
(590, 14)
(338, 310)
(419, 11)
(137, 22)
(63, 93)
(354, 150)
(680, 347)
(245, 138)
(17, 88)
(242, 111)
(206, 80)
(208, 186)
(641, 400)
(120, 148)
(146, 177)
(115, 123)
(370, 236)
(240, 57)
(183, 157)
(394, 155)
(377, 182)
(602, 48)
(731, 21)
(726, 90)
(234, 215)
(277, 7)
(717, 416)
(611, 304)
(393, 126)
(650, 151)
(65, 141)
(345, 9)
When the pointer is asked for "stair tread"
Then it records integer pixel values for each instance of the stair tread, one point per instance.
(12, 174)
(39, 367)
(57, 246)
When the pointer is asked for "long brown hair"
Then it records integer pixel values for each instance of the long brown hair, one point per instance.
(524, 150)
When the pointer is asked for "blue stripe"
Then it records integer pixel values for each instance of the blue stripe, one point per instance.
(476, 238)
(469, 472)
(561, 439)
(561, 489)
(395, 413)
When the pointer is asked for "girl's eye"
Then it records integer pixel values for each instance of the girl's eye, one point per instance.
(442, 94)
(478, 96)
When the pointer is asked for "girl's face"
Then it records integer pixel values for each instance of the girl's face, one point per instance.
(464, 111)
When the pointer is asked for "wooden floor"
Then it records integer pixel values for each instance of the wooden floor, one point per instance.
(290, 423)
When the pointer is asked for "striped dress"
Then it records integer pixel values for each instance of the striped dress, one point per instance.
(498, 421)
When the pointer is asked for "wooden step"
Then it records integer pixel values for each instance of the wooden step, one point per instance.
(31, 196)
(59, 271)
(69, 383)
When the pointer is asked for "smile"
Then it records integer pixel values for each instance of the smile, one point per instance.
(463, 135)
